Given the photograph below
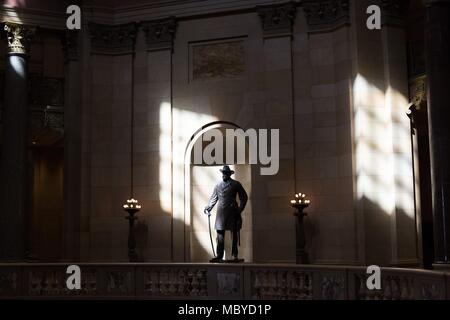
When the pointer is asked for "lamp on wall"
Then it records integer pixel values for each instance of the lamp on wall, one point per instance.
(300, 202)
(132, 206)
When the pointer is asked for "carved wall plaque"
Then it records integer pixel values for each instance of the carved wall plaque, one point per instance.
(218, 60)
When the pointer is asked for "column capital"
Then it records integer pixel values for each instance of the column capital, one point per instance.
(324, 15)
(19, 37)
(418, 90)
(393, 12)
(159, 34)
(112, 39)
(277, 20)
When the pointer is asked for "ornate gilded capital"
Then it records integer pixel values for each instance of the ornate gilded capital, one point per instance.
(70, 45)
(19, 37)
(418, 90)
(326, 15)
(112, 40)
(277, 20)
(159, 34)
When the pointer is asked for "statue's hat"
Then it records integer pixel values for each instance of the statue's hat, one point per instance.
(226, 170)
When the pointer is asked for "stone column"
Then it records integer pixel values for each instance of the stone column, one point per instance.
(109, 169)
(163, 228)
(277, 23)
(72, 147)
(403, 231)
(14, 160)
(438, 74)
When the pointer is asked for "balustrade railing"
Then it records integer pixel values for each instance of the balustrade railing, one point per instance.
(207, 281)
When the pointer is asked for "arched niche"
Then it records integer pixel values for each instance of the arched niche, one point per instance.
(200, 180)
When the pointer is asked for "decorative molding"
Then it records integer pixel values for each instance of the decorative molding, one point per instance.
(70, 45)
(19, 38)
(185, 9)
(418, 90)
(277, 20)
(159, 34)
(393, 12)
(326, 15)
(112, 40)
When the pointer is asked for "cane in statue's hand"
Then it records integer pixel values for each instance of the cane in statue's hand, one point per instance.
(208, 213)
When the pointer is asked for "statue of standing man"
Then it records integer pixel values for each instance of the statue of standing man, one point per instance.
(228, 212)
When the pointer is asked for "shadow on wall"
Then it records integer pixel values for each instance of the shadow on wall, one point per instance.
(377, 245)
(384, 204)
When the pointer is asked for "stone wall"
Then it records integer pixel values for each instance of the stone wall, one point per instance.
(336, 91)
(305, 76)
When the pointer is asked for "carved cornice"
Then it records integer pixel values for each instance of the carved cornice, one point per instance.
(393, 12)
(325, 15)
(277, 20)
(112, 40)
(70, 45)
(159, 34)
(19, 37)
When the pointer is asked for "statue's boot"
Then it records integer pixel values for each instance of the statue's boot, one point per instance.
(236, 260)
(216, 260)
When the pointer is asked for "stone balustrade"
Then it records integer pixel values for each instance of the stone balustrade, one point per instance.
(221, 281)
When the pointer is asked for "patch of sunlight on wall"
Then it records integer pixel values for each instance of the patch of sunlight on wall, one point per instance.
(165, 157)
(185, 124)
(373, 147)
(382, 142)
(403, 156)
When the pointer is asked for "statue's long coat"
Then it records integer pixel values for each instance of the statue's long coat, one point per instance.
(228, 212)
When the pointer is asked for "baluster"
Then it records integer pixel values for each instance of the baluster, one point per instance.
(182, 289)
(404, 295)
(360, 284)
(203, 283)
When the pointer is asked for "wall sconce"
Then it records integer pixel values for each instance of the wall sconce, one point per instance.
(300, 202)
(132, 206)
